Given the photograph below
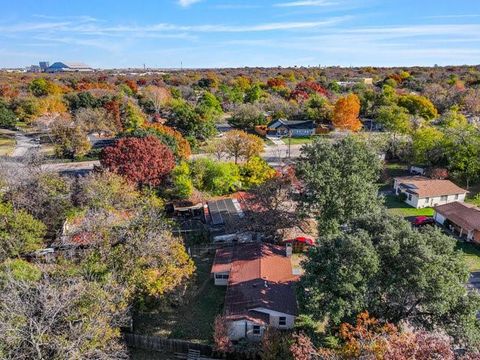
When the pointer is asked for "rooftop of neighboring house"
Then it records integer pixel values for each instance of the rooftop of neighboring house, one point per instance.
(292, 124)
(426, 187)
(465, 215)
(261, 276)
(80, 229)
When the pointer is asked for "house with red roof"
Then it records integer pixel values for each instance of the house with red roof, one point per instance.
(260, 288)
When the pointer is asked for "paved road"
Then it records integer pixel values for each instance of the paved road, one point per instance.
(275, 155)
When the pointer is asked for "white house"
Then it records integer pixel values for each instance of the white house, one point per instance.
(421, 192)
(260, 293)
(461, 218)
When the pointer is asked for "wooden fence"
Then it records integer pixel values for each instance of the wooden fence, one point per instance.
(155, 343)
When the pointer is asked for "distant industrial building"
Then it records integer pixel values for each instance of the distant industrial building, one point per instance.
(68, 67)
(44, 65)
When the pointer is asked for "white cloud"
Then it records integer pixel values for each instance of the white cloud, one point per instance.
(187, 3)
(307, 3)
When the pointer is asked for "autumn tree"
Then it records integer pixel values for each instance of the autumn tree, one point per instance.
(418, 106)
(105, 190)
(144, 161)
(346, 112)
(240, 145)
(274, 207)
(45, 195)
(220, 335)
(55, 318)
(70, 139)
(159, 96)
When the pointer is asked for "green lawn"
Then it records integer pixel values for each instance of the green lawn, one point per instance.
(399, 207)
(299, 140)
(471, 254)
(192, 321)
(7, 142)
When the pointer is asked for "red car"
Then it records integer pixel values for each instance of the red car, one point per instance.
(423, 220)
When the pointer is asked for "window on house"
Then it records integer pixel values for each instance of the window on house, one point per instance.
(427, 200)
(256, 329)
(282, 321)
(456, 197)
(409, 196)
(221, 276)
(444, 198)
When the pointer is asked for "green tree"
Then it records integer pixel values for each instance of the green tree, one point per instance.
(254, 93)
(255, 172)
(319, 109)
(182, 182)
(340, 181)
(43, 87)
(394, 118)
(428, 146)
(418, 105)
(133, 117)
(247, 116)
(209, 107)
(20, 232)
(7, 116)
(190, 122)
(462, 144)
(382, 265)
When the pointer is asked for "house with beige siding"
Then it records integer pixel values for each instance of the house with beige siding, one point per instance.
(422, 192)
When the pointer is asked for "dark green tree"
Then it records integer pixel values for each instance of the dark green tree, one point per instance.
(382, 265)
(339, 181)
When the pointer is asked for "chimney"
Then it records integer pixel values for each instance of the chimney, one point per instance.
(288, 249)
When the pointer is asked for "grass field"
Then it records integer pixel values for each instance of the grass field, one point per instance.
(471, 254)
(299, 140)
(7, 142)
(192, 321)
(399, 207)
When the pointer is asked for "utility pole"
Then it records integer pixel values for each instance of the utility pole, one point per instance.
(289, 143)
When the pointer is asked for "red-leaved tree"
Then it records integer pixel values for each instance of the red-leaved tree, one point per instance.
(144, 161)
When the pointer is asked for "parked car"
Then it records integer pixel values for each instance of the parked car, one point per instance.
(422, 221)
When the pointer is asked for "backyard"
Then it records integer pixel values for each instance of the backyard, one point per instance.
(471, 254)
(192, 321)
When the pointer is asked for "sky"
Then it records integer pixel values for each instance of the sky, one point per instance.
(238, 33)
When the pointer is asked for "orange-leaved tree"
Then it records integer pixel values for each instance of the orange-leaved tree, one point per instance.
(345, 115)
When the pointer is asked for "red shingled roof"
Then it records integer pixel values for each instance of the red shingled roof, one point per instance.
(260, 277)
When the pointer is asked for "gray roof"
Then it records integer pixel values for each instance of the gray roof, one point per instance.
(71, 65)
(293, 124)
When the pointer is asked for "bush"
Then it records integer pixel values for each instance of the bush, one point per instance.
(7, 117)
